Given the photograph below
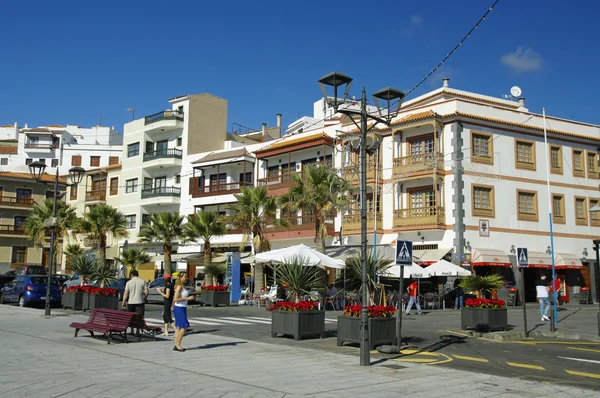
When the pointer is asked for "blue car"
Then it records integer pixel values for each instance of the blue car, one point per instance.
(30, 289)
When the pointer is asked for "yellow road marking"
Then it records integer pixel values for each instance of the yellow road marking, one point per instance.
(417, 352)
(524, 365)
(492, 340)
(592, 375)
(583, 349)
(470, 358)
(458, 333)
(416, 360)
(556, 342)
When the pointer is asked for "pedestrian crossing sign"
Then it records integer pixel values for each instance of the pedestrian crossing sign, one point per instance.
(522, 257)
(404, 252)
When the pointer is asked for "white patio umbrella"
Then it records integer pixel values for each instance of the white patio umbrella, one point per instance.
(414, 271)
(446, 268)
(312, 256)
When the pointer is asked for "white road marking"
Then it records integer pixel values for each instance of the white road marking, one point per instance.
(581, 360)
(246, 319)
(330, 320)
(214, 321)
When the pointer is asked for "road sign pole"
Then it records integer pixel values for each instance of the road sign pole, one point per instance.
(400, 309)
(403, 258)
(523, 262)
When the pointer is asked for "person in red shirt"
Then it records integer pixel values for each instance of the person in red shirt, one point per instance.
(412, 292)
(556, 286)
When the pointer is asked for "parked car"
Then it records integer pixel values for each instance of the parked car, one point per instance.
(74, 280)
(61, 278)
(155, 297)
(118, 284)
(30, 269)
(5, 279)
(30, 289)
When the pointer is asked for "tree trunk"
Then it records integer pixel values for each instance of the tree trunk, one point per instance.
(319, 237)
(167, 252)
(102, 249)
(258, 277)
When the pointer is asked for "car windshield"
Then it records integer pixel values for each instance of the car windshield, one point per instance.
(42, 280)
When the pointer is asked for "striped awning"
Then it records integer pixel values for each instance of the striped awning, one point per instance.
(489, 258)
(561, 260)
(428, 257)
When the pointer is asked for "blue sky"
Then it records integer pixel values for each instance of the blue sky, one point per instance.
(75, 61)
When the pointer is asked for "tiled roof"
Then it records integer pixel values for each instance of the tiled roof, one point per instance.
(8, 125)
(416, 117)
(220, 155)
(55, 125)
(37, 130)
(26, 176)
(291, 141)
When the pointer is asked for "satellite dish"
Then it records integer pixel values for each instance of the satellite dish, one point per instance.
(515, 91)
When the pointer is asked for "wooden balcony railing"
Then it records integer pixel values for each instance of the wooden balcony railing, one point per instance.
(300, 223)
(351, 222)
(277, 181)
(421, 162)
(12, 230)
(198, 191)
(16, 202)
(419, 216)
(95, 195)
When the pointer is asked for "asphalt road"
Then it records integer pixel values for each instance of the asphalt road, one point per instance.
(574, 363)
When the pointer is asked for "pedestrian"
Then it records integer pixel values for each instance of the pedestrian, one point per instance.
(135, 294)
(412, 292)
(556, 286)
(167, 293)
(459, 301)
(541, 288)
(180, 301)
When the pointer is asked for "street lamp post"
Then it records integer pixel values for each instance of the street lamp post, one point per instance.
(597, 248)
(335, 80)
(37, 172)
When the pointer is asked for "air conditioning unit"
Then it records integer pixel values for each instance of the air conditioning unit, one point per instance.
(298, 167)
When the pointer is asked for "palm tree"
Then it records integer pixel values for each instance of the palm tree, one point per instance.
(133, 257)
(212, 272)
(103, 273)
(85, 266)
(299, 276)
(73, 249)
(251, 212)
(312, 194)
(163, 228)
(375, 266)
(100, 222)
(481, 284)
(66, 219)
(204, 225)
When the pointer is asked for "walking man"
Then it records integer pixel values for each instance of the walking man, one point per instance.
(136, 291)
(412, 292)
(541, 288)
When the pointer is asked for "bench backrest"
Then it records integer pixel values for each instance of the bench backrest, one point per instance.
(103, 316)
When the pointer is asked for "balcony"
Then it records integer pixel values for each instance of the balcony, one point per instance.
(351, 222)
(12, 230)
(95, 196)
(164, 121)
(277, 181)
(212, 190)
(301, 223)
(434, 215)
(161, 191)
(13, 202)
(418, 163)
(163, 158)
(38, 147)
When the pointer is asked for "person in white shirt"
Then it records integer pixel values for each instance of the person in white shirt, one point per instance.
(541, 288)
(136, 291)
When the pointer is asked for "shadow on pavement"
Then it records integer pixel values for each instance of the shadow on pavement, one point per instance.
(209, 346)
(201, 331)
(566, 316)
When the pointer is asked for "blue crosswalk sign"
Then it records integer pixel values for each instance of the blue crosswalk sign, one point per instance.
(404, 252)
(522, 257)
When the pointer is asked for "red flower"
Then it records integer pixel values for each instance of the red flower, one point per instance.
(484, 303)
(373, 311)
(302, 306)
(106, 291)
(214, 288)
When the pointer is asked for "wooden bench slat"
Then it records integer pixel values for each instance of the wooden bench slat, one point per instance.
(105, 321)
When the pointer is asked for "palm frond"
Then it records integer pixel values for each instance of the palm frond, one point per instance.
(375, 265)
(299, 276)
(83, 265)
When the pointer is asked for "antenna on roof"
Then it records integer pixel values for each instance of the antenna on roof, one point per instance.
(515, 94)
(132, 110)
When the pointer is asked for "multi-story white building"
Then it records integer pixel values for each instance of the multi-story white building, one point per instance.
(58, 146)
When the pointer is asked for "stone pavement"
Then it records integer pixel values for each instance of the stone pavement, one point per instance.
(39, 357)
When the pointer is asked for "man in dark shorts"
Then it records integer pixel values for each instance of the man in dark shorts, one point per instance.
(167, 293)
(136, 291)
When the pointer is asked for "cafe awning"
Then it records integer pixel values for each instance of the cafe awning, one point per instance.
(567, 261)
(489, 258)
(427, 257)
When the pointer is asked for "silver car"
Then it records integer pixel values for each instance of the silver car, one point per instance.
(155, 297)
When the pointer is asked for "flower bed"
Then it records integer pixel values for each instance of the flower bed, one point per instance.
(382, 325)
(214, 288)
(484, 314)
(297, 319)
(91, 297)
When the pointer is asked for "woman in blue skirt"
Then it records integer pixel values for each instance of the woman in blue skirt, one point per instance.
(181, 298)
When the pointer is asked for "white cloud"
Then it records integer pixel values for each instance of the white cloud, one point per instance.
(416, 20)
(524, 59)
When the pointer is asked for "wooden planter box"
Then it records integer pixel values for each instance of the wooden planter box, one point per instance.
(487, 319)
(102, 301)
(72, 300)
(214, 298)
(381, 331)
(298, 323)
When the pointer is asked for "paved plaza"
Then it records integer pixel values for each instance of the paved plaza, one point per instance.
(41, 358)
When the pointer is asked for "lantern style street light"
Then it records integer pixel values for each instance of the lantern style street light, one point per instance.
(391, 97)
(36, 169)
